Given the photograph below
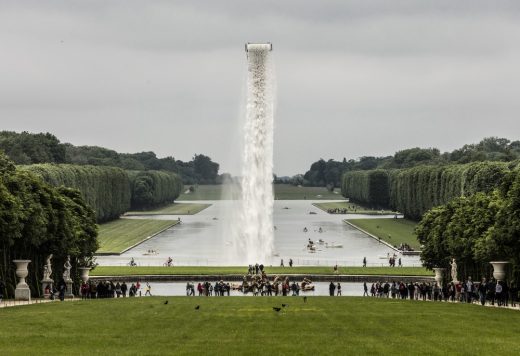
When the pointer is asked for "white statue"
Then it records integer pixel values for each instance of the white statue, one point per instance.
(47, 268)
(454, 270)
(68, 266)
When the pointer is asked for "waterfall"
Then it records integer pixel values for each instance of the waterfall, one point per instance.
(253, 234)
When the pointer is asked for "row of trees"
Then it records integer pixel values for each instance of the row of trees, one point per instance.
(322, 173)
(475, 229)
(36, 220)
(414, 191)
(112, 191)
(28, 148)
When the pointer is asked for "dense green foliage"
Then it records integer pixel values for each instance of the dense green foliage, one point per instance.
(413, 191)
(475, 230)
(329, 172)
(28, 148)
(369, 188)
(238, 326)
(154, 188)
(37, 219)
(105, 189)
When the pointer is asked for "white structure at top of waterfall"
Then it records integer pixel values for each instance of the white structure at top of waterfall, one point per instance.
(253, 240)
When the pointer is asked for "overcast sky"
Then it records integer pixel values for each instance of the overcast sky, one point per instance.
(354, 78)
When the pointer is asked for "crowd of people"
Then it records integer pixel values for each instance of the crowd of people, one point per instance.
(483, 292)
(107, 289)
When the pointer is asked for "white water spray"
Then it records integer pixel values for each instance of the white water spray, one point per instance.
(253, 233)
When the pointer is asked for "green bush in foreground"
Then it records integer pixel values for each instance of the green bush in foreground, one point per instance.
(248, 325)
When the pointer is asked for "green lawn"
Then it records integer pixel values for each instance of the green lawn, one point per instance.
(291, 192)
(281, 192)
(173, 209)
(393, 231)
(206, 270)
(250, 326)
(351, 208)
(118, 235)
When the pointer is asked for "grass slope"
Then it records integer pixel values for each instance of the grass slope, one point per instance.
(195, 270)
(239, 325)
(118, 235)
(351, 208)
(393, 231)
(174, 209)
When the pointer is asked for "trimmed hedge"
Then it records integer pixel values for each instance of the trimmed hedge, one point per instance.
(154, 188)
(105, 189)
(414, 191)
(370, 188)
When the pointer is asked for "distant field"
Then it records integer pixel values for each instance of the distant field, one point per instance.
(173, 209)
(250, 326)
(118, 235)
(393, 231)
(351, 208)
(281, 192)
(218, 270)
(292, 192)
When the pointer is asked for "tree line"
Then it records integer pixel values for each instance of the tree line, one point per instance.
(323, 173)
(413, 191)
(112, 191)
(28, 148)
(37, 219)
(475, 230)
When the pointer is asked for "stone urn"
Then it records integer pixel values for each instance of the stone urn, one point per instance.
(439, 275)
(85, 273)
(499, 270)
(22, 291)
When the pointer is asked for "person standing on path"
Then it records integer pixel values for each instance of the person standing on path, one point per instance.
(332, 287)
(148, 290)
(339, 289)
(365, 289)
(364, 261)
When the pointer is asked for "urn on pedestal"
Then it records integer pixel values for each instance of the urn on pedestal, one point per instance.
(22, 291)
(499, 270)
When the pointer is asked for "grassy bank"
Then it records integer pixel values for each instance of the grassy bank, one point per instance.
(236, 326)
(118, 235)
(281, 192)
(173, 209)
(351, 208)
(393, 231)
(208, 270)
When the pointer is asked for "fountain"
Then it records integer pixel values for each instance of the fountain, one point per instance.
(253, 229)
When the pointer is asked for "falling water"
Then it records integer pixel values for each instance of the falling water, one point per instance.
(253, 237)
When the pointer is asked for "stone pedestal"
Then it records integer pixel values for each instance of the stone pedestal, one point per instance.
(85, 274)
(22, 291)
(499, 270)
(68, 292)
(439, 275)
(47, 282)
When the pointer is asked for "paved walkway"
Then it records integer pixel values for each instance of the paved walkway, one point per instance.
(16, 303)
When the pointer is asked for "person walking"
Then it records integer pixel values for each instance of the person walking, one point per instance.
(290, 262)
(148, 290)
(281, 263)
(482, 291)
(339, 289)
(332, 287)
(365, 289)
(364, 261)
